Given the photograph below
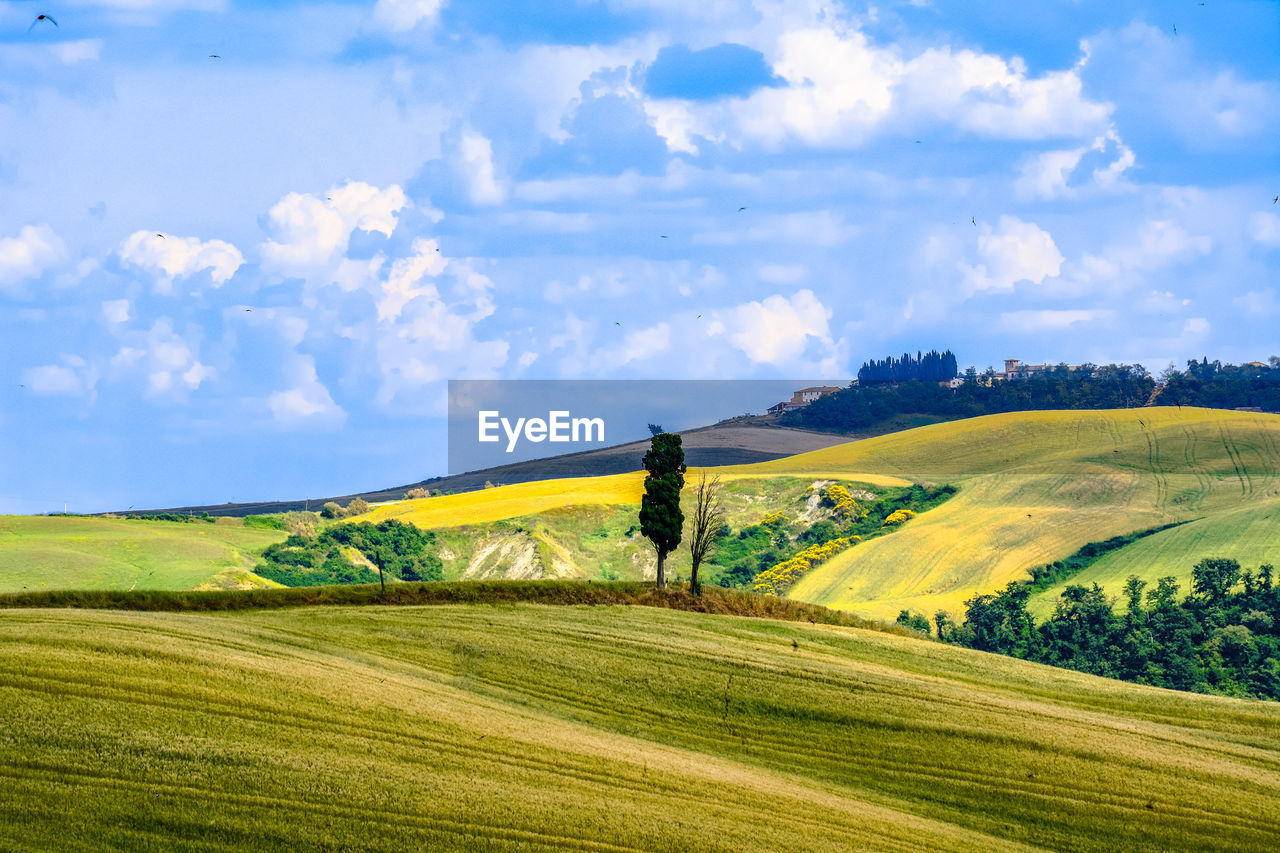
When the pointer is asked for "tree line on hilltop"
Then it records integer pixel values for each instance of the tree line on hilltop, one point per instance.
(858, 407)
(932, 366)
(1223, 386)
(1087, 386)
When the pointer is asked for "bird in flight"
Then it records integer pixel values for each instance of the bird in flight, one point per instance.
(42, 17)
(741, 209)
(974, 220)
(214, 56)
(248, 309)
(1276, 199)
(663, 236)
(161, 236)
(1175, 29)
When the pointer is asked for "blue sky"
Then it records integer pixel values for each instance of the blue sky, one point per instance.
(249, 277)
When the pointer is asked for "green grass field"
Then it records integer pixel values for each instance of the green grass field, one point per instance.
(528, 727)
(71, 552)
(1250, 535)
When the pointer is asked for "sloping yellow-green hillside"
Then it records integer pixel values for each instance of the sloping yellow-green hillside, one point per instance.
(529, 728)
(1034, 487)
(524, 499)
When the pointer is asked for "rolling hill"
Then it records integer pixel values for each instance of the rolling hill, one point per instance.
(1036, 486)
(74, 552)
(1033, 488)
(527, 727)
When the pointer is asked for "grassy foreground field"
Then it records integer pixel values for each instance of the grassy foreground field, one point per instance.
(71, 552)
(527, 727)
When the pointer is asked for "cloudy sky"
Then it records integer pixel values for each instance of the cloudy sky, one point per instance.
(244, 244)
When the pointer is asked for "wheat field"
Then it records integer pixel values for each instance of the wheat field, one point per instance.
(530, 727)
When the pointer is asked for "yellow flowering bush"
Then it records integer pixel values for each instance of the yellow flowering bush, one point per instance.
(841, 502)
(899, 516)
(777, 579)
(774, 520)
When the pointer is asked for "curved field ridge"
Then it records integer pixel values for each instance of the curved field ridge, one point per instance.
(1035, 487)
(531, 728)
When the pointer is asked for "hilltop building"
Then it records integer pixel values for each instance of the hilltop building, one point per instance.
(1015, 369)
(802, 398)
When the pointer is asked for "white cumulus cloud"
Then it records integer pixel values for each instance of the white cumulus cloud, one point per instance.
(1265, 229)
(75, 377)
(34, 250)
(307, 401)
(169, 256)
(638, 345)
(169, 361)
(1050, 174)
(841, 87)
(475, 161)
(1013, 251)
(403, 15)
(1258, 303)
(778, 329)
(1032, 321)
(308, 231)
(422, 337)
(116, 310)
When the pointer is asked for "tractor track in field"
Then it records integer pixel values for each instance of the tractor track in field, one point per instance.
(1192, 458)
(403, 819)
(1237, 461)
(1153, 461)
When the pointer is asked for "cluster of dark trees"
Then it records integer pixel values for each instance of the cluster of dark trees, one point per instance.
(756, 548)
(171, 516)
(399, 549)
(1089, 386)
(910, 386)
(932, 366)
(1222, 386)
(1224, 637)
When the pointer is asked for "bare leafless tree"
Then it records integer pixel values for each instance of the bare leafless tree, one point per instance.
(708, 517)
